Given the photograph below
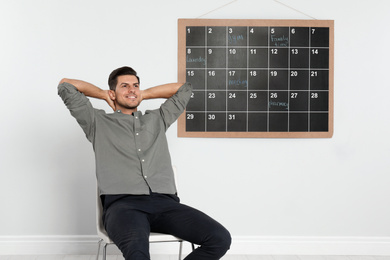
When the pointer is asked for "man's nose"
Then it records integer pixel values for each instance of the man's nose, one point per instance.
(131, 89)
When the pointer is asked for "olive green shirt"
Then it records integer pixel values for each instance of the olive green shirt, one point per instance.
(131, 151)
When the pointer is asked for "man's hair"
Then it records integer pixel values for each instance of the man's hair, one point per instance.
(113, 78)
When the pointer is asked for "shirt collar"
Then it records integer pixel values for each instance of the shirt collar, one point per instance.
(136, 113)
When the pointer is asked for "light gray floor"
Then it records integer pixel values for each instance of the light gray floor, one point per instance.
(172, 257)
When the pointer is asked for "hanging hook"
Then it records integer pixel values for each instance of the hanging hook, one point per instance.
(296, 10)
(217, 8)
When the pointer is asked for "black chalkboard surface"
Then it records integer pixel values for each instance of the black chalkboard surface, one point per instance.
(257, 78)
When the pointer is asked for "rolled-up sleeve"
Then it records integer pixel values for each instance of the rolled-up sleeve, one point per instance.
(80, 108)
(173, 107)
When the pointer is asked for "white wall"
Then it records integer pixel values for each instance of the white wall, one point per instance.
(336, 187)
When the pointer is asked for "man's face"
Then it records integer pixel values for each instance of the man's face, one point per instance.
(127, 93)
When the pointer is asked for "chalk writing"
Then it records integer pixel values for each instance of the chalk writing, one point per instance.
(238, 82)
(279, 40)
(234, 39)
(278, 104)
(196, 60)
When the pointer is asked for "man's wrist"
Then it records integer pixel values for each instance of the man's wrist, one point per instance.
(143, 94)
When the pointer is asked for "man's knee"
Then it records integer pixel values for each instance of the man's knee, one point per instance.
(219, 242)
(224, 240)
(133, 244)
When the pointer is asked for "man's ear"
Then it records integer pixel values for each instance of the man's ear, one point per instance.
(112, 95)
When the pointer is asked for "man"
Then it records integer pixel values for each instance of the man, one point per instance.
(133, 165)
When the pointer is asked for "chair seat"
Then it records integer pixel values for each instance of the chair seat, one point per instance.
(153, 238)
(158, 237)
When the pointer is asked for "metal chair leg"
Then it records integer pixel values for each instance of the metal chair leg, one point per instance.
(106, 244)
(180, 249)
(98, 252)
(105, 251)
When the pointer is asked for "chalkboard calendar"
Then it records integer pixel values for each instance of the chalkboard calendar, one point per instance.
(257, 78)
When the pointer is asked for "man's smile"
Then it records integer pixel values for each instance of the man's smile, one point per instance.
(131, 96)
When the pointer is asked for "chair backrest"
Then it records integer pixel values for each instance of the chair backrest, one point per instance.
(175, 176)
(101, 231)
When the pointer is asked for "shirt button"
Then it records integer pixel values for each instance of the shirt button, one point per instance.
(139, 150)
(146, 177)
(136, 133)
(143, 160)
(136, 117)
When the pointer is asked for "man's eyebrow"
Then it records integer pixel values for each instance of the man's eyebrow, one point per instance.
(127, 83)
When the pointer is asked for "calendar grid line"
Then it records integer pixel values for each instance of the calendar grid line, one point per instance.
(273, 68)
(205, 76)
(268, 58)
(259, 111)
(247, 79)
(257, 90)
(288, 78)
(257, 47)
(308, 117)
(227, 86)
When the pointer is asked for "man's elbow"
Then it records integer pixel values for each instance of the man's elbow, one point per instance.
(70, 81)
(64, 80)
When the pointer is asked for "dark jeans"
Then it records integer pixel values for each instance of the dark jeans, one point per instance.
(129, 221)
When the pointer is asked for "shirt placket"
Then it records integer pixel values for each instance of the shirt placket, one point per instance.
(140, 152)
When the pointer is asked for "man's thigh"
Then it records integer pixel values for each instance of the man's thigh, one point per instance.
(128, 228)
(189, 224)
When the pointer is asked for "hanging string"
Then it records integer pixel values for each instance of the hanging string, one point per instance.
(296, 10)
(222, 6)
(217, 8)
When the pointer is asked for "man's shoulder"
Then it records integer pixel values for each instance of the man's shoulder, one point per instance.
(103, 113)
(153, 113)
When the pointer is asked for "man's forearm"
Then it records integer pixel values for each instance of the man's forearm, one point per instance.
(161, 91)
(86, 88)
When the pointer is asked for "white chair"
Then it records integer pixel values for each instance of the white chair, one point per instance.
(153, 238)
